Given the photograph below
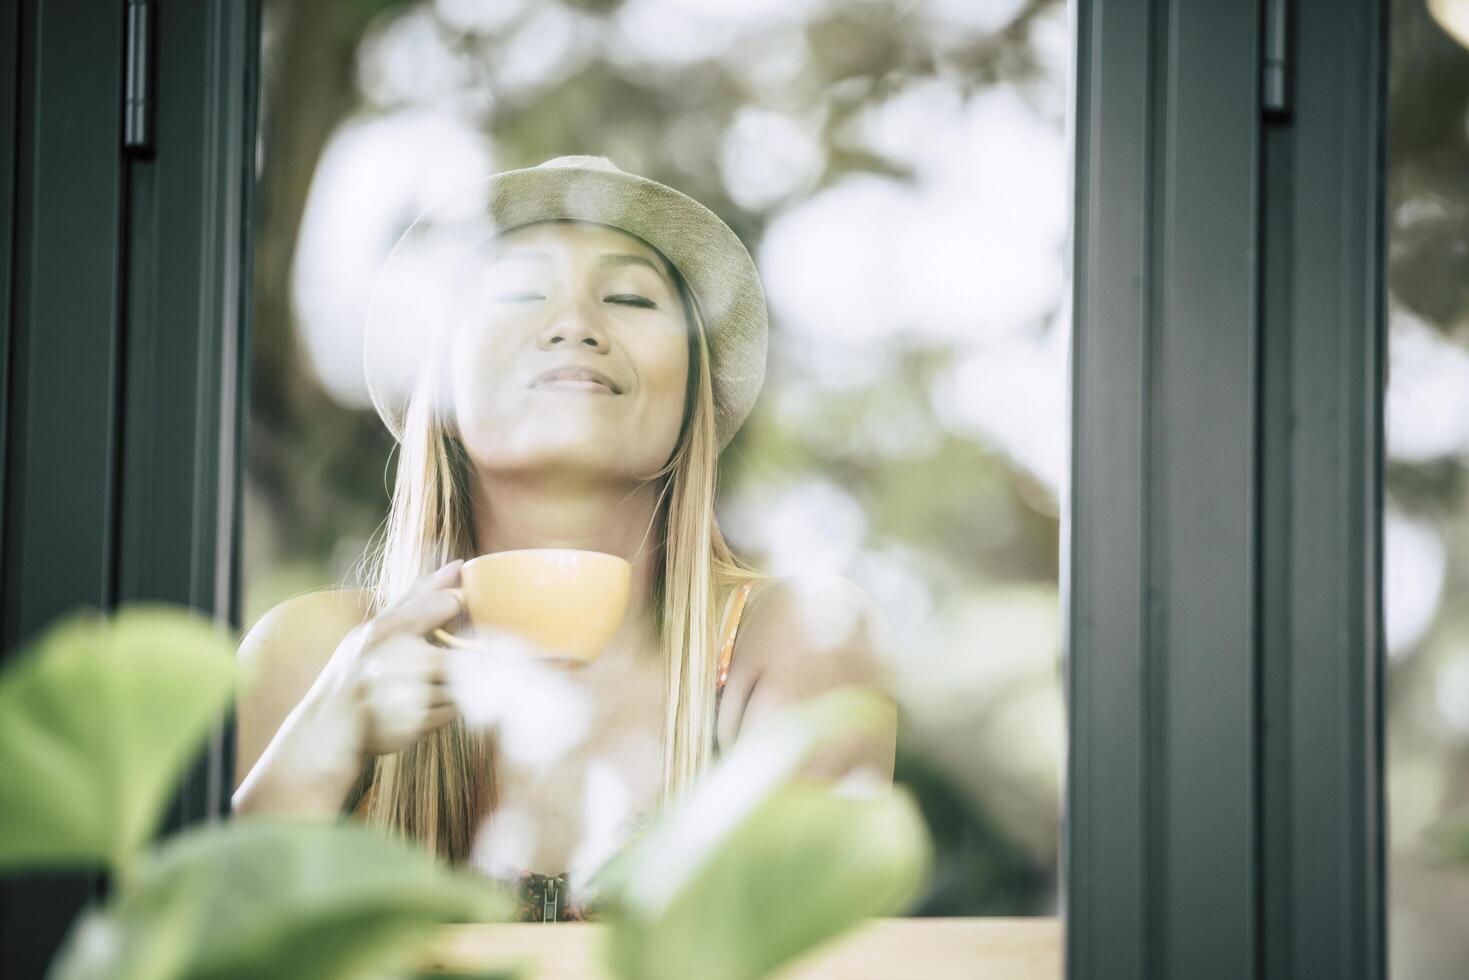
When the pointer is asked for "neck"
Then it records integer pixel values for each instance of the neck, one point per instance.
(513, 511)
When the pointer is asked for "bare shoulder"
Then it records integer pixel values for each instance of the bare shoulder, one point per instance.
(815, 624)
(799, 636)
(293, 631)
(281, 655)
(312, 608)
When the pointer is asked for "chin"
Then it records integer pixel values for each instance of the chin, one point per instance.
(582, 456)
(603, 448)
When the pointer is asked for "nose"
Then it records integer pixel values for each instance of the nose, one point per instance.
(573, 324)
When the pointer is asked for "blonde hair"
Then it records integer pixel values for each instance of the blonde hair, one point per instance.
(441, 789)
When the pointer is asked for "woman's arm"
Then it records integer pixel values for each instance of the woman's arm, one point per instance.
(802, 636)
(297, 750)
(345, 698)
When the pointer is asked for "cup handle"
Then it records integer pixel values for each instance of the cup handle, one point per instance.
(557, 660)
(443, 635)
(449, 639)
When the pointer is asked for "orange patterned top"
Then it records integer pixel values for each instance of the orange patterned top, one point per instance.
(732, 625)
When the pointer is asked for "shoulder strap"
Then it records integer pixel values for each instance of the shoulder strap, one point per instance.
(731, 626)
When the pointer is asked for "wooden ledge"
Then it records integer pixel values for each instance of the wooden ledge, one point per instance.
(880, 949)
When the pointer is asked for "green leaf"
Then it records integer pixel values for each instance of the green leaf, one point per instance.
(807, 865)
(752, 869)
(97, 722)
(661, 859)
(264, 898)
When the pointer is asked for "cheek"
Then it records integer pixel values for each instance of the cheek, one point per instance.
(665, 377)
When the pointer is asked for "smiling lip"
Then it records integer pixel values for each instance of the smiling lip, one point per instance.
(576, 378)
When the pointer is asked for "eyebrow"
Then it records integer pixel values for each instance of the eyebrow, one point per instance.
(607, 258)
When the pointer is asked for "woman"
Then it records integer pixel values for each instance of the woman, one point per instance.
(605, 338)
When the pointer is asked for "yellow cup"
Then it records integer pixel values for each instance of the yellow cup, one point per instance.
(566, 601)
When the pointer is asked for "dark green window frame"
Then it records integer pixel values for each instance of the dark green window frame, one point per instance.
(124, 275)
(1224, 631)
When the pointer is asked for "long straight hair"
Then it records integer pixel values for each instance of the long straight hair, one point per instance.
(441, 789)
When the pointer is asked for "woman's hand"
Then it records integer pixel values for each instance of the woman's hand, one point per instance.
(388, 677)
(382, 689)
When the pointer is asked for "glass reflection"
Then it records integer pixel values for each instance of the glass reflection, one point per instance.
(897, 172)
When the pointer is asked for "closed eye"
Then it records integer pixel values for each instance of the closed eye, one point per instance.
(632, 299)
(518, 297)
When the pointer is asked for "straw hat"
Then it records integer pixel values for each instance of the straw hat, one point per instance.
(411, 298)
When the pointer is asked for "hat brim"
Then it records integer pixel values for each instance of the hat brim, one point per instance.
(714, 263)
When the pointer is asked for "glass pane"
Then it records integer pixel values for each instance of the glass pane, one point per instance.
(899, 174)
(1426, 524)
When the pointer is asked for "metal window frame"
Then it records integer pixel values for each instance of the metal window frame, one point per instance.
(64, 219)
(1223, 651)
(125, 280)
(190, 200)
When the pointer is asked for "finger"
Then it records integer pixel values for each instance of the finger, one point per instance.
(418, 614)
(441, 577)
(435, 670)
(416, 677)
(402, 706)
(397, 648)
(408, 658)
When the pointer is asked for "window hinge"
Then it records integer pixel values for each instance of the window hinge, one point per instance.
(138, 101)
(1275, 88)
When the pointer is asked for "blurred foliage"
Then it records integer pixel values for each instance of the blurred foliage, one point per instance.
(1428, 268)
(804, 867)
(1428, 185)
(746, 872)
(1432, 489)
(980, 870)
(1428, 277)
(753, 869)
(260, 900)
(97, 717)
(1452, 837)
